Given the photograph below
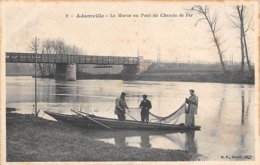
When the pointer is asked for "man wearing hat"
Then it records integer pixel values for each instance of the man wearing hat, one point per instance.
(120, 106)
(192, 102)
(145, 105)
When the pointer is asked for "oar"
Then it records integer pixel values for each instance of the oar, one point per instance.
(92, 119)
(84, 113)
(130, 116)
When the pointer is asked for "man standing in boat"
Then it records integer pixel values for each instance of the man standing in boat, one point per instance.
(192, 102)
(120, 106)
(145, 105)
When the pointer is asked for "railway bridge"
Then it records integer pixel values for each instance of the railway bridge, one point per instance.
(66, 64)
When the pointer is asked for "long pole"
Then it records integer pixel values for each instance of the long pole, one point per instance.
(95, 121)
(35, 75)
(130, 116)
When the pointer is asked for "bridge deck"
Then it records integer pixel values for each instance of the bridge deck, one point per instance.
(78, 59)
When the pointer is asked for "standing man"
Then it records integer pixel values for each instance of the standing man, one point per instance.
(145, 105)
(120, 106)
(192, 102)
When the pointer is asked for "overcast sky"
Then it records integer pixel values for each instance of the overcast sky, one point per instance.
(178, 37)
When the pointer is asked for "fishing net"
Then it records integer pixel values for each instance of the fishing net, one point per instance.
(172, 117)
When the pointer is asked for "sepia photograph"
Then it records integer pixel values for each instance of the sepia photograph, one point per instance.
(129, 82)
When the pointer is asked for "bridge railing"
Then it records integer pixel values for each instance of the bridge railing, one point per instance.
(78, 59)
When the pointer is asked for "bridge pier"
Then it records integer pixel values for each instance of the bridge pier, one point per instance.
(129, 71)
(66, 71)
(143, 65)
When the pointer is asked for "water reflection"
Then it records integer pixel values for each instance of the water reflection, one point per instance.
(120, 140)
(149, 139)
(245, 111)
(145, 141)
(244, 126)
(222, 101)
(243, 105)
(190, 143)
(65, 93)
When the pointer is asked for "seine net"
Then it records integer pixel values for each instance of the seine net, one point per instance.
(172, 117)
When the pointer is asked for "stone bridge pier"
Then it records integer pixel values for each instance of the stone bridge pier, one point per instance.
(131, 71)
(143, 65)
(66, 72)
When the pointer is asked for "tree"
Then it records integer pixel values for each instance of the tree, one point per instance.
(212, 22)
(47, 48)
(57, 46)
(239, 22)
(36, 46)
(76, 51)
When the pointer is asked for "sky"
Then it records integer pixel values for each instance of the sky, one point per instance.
(177, 37)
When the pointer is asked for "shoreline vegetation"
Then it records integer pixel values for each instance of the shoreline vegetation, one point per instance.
(210, 77)
(182, 72)
(32, 139)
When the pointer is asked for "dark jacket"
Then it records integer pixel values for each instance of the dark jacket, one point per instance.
(145, 105)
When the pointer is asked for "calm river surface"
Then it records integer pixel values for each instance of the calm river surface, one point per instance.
(225, 113)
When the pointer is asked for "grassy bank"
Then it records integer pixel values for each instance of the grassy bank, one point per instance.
(186, 72)
(216, 77)
(183, 76)
(37, 139)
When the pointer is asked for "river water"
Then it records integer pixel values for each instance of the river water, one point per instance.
(226, 112)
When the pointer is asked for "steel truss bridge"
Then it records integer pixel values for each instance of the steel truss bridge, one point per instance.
(12, 57)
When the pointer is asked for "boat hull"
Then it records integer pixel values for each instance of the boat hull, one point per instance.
(84, 122)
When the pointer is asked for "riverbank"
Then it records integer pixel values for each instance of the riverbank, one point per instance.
(31, 139)
(214, 77)
(195, 76)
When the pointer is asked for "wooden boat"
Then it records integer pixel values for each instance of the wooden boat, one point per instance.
(89, 121)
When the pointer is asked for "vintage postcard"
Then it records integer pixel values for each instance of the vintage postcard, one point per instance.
(158, 82)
